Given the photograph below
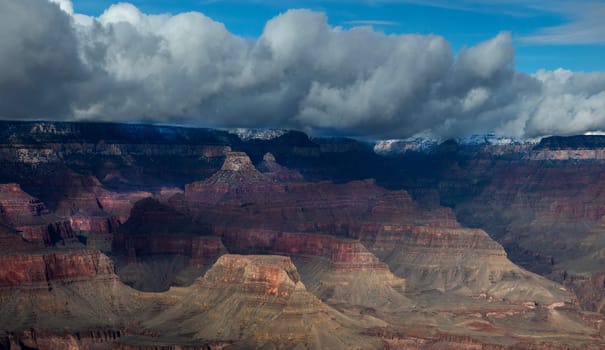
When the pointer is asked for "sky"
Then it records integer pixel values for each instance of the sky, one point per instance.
(536, 26)
(371, 68)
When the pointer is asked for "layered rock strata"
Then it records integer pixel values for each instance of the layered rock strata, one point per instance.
(224, 305)
(426, 247)
(63, 299)
(31, 217)
(336, 269)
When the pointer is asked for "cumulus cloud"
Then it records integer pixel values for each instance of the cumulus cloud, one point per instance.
(573, 101)
(300, 73)
(65, 5)
(39, 59)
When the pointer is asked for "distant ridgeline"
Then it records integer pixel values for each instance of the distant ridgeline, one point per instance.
(572, 142)
(42, 131)
(151, 156)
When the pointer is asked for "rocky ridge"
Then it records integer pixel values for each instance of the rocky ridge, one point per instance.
(343, 264)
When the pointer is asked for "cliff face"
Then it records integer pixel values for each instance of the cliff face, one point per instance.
(160, 247)
(426, 247)
(31, 217)
(226, 307)
(123, 156)
(543, 203)
(344, 264)
(342, 253)
(62, 299)
(337, 270)
(38, 271)
(530, 203)
(271, 168)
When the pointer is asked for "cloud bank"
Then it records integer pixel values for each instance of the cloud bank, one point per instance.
(300, 73)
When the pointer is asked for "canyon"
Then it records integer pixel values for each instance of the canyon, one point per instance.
(116, 236)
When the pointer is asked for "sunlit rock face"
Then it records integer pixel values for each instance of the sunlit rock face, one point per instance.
(543, 205)
(38, 271)
(428, 248)
(142, 237)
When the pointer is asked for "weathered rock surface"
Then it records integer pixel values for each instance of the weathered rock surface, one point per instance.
(426, 247)
(542, 203)
(259, 301)
(362, 266)
(63, 299)
(31, 218)
(559, 204)
(337, 270)
(276, 172)
(39, 270)
(161, 247)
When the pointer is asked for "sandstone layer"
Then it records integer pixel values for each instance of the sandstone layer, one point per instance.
(345, 262)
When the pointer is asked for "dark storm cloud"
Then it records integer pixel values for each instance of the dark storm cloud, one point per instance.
(39, 63)
(300, 73)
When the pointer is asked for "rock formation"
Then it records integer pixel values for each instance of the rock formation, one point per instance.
(31, 218)
(426, 247)
(259, 301)
(62, 298)
(276, 172)
(345, 262)
(237, 168)
(161, 247)
(336, 269)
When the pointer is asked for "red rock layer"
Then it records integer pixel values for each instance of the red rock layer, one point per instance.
(96, 224)
(85, 196)
(426, 247)
(322, 206)
(388, 236)
(343, 254)
(529, 203)
(36, 270)
(155, 228)
(257, 301)
(31, 217)
(119, 205)
(200, 248)
(13, 242)
(17, 206)
(47, 234)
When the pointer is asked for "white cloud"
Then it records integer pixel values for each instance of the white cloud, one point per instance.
(570, 103)
(300, 73)
(121, 12)
(487, 58)
(475, 98)
(65, 5)
(40, 69)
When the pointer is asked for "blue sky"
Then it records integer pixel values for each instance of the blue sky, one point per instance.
(536, 26)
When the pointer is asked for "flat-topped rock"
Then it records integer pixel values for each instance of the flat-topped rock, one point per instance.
(237, 169)
(238, 161)
(259, 301)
